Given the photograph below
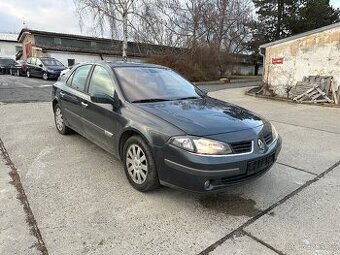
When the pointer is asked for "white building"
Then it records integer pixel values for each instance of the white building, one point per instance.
(9, 45)
(314, 53)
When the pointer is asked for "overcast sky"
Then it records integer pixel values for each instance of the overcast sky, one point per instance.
(49, 15)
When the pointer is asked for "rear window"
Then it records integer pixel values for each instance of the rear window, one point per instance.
(51, 62)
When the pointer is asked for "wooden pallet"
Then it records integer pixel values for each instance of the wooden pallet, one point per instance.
(313, 95)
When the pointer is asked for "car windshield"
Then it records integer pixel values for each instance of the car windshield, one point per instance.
(7, 61)
(143, 84)
(51, 62)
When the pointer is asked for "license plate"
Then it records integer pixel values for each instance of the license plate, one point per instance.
(260, 164)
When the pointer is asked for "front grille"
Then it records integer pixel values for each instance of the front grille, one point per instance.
(268, 138)
(241, 147)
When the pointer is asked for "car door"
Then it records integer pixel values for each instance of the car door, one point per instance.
(100, 120)
(31, 65)
(73, 95)
(39, 68)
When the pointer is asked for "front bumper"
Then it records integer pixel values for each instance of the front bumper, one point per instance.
(185, 170)
(53, 75)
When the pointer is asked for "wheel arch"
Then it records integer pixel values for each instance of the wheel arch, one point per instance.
(126, 135)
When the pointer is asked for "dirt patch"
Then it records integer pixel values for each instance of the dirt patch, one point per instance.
(32, 223)
(230, 204)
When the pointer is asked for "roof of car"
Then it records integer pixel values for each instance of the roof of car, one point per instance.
(129, 64)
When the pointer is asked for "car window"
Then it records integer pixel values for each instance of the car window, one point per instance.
(51, 62)
(33, 60)
(69, 80)
(139, 83)
(101, 82)
(38, 62)
(80, 76)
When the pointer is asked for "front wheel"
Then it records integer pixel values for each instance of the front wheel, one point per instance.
(45, 76)
(28, 74)
(10, 72)
(59, 121)
(139, 165)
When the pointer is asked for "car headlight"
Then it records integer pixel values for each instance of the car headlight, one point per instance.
(201, 145)
(274, 133)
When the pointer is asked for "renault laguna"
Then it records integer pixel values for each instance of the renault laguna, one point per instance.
(164, 129)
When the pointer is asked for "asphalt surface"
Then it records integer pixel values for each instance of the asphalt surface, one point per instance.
(74, 197)
(15, 89)
(22, 89)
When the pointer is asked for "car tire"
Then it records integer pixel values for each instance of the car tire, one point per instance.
(45, 76)
(139, 165)
(18, 72)
(28, 74)
(59, 121)
(11, 72)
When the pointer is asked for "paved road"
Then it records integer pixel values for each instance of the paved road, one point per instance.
(82, 203)
(22, 89)
(15, 89)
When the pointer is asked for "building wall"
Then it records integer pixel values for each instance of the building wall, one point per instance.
(8, 49)
(63, 57)
(317, 54)
(27, 42)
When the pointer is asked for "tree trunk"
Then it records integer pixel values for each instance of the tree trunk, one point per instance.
(125, 35)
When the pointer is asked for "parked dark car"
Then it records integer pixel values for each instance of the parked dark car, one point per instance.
(19, 68)
(5, 65)
(46, 68)
(165, 130)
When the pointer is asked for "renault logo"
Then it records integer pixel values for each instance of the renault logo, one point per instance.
(261, 144)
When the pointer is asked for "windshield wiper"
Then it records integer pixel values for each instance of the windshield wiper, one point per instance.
(184, 98)
(149, 100)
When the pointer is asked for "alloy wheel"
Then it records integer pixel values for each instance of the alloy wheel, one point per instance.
(18, 73)
(59, 119)
(45, 77)
(136, 164)
(28, 74)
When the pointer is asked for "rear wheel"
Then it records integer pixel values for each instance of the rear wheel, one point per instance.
(10, 72)
(28, 74)
(59, 121)
(139, 165)
(18, 72)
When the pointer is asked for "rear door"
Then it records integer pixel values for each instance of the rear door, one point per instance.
(101, 120)
(73, 95)
(31, 65)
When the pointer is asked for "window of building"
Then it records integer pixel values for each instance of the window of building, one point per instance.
(101, 82)
(93, 44)
(57, 40)
(70, 62)
(80, 76)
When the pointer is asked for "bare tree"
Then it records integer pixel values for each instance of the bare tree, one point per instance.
(108, 12)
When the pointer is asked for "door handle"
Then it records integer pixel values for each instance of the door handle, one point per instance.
(84, 104)
(62, 94)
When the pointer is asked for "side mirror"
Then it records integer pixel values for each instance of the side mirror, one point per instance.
(40, 65)
(205, 92)
(106, 99)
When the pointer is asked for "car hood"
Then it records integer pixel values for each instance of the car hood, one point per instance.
(203, 117)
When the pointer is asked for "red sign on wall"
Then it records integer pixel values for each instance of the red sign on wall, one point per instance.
(277, 61)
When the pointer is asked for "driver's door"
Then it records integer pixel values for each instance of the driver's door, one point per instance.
(101, 120)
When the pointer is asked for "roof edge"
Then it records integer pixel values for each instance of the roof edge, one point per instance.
(294, 37)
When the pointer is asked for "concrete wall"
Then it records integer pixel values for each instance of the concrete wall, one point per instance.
(317, 54)
(8, 49)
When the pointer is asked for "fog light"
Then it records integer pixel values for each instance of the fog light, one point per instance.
(207, 184)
